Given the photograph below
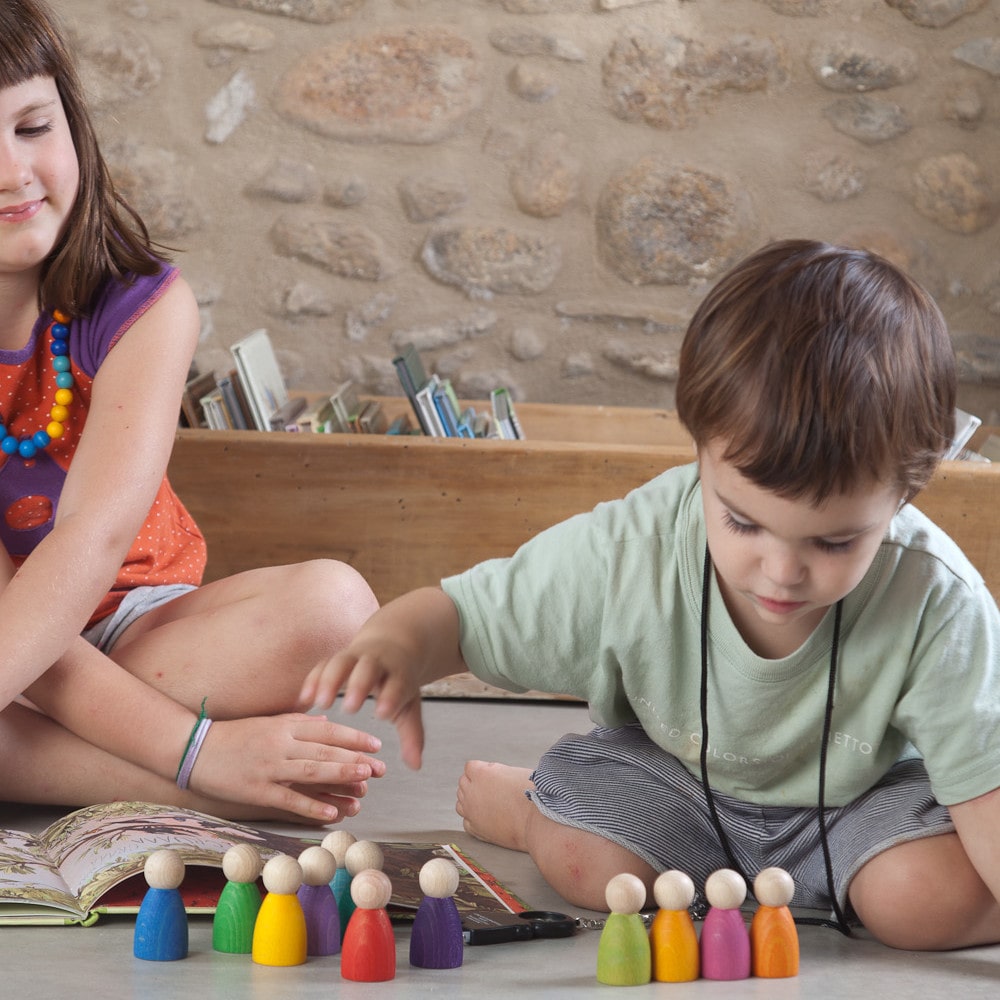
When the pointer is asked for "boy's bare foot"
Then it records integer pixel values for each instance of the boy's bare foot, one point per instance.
(492, 802)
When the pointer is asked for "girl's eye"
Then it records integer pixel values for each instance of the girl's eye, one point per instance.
(738, 527)
(33, 131)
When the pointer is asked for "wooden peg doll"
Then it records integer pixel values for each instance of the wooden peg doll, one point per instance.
(239, 902)
(725, 941)
(362, 855)
(673, 939)
(623, 955)
(774, 940)
(436, 941)
(369, 951)
(279, 935)
(161, 926)
(318, 901)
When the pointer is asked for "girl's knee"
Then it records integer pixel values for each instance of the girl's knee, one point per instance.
(335, 593)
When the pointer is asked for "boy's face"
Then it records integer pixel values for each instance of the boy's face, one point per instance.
(781, 563)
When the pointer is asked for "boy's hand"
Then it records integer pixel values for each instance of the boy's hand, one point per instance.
(304, 765)
(404, 645)
(383, 673)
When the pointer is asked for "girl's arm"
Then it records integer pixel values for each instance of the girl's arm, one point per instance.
(297, 764)
(115, 473)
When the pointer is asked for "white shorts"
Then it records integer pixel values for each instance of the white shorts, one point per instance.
(134, 605)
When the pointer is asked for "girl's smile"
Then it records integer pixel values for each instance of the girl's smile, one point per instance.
(39, 173)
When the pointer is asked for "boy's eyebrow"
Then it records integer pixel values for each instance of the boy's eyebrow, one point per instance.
(845, 533)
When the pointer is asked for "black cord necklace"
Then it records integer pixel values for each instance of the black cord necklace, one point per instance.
(840, 922)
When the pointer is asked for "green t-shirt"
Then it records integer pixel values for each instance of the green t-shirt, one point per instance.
(606, 606)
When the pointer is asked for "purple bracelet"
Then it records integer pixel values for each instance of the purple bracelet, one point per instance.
(193, 748)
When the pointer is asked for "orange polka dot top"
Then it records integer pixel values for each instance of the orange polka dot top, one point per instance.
(169, 547)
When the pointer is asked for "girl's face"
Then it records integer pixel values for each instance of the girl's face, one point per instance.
(39, 173)
(781, 563)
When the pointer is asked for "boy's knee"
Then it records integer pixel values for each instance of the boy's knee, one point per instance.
(921, 896)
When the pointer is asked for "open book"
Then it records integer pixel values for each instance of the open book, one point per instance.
(91, 862)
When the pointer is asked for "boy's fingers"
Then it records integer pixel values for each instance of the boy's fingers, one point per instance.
(410, 726)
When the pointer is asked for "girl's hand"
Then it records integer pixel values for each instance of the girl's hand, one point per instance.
(303, 765)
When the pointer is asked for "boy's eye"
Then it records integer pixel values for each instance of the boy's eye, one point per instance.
(738, 527)
(827, 546)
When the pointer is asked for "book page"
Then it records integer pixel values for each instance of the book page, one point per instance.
(26, 877)
(98, 847)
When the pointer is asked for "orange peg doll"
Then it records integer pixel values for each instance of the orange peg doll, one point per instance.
(774, 940)
(672, 938)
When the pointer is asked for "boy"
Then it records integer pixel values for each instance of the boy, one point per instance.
(780, 591)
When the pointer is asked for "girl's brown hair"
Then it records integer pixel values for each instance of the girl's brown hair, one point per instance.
(821, 368)
(103, 236)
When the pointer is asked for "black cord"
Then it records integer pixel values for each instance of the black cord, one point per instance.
(709, 796)
(842, 925)
(841, 922)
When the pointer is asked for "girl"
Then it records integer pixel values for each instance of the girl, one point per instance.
(109, 647)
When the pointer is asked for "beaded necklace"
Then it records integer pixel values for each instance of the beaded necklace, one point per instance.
(28, 447)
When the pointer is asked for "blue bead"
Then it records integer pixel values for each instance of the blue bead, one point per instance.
(3, 431)
(59, 347)
(61, 364)
(41, 439)
(27, 448)
(60, 331)
(9, 445)
(64, 380)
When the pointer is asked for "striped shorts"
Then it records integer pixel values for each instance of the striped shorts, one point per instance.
(620, 785)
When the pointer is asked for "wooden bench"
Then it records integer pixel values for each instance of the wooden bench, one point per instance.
(407, 511)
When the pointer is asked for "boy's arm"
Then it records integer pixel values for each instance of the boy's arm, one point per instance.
(977, 822)
(407, 643)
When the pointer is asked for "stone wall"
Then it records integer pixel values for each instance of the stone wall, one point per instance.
(538, 192)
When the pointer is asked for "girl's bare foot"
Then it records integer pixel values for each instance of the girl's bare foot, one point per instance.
(492, 803)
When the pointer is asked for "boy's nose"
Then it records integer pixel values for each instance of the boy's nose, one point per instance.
(784, 568)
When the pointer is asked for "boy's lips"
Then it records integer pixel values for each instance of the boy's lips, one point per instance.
(779, 607)
(19, 213)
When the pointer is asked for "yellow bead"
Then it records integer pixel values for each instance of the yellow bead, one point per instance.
(59, 413)
(59, 316)
(64, 396)
(54, 430)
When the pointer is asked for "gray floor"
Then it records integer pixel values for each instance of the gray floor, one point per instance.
(97, 961)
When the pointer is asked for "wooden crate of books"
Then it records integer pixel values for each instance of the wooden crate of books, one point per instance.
(406, 511)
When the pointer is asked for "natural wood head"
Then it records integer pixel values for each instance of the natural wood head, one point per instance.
(673, 890)
(318, 865)
(774, 887)
(282, 875)
(625, 893)
(725, 889)
(439, 878)
(337, 842)
(164, 869)
(362, 855)
(242, 863)
(371, 889)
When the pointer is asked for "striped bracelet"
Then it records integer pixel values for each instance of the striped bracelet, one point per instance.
(193, 748)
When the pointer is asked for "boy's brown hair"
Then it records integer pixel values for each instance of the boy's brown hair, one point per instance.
(822, 368)
(103, 236)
